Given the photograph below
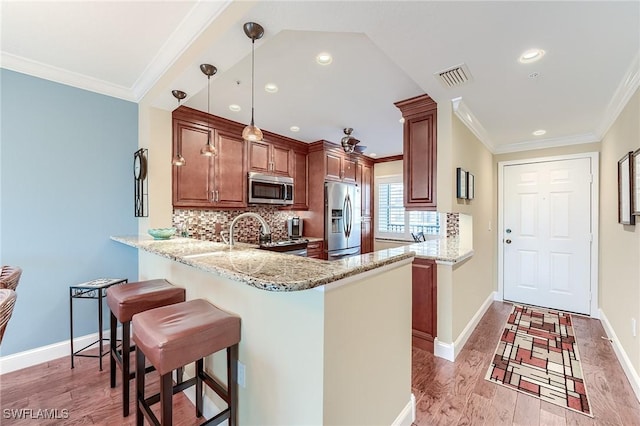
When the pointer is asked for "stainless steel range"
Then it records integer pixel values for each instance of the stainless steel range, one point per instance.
(295, 247)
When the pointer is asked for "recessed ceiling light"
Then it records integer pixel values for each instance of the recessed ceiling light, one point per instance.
(271, 87)
(234, 107)
(324, 58)
(373, 154)
(401, 120)
(294, 128)
(531, 55)
(539, 132)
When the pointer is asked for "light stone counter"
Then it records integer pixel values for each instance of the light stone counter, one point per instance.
(443, 250)
(264, 269)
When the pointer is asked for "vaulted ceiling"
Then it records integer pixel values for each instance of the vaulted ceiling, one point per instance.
(382, 52)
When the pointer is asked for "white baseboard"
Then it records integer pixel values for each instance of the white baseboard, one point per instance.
(209, 408)
(50, 352)
(408, 414)
(450, 351)
(443, 350)
(624, 360)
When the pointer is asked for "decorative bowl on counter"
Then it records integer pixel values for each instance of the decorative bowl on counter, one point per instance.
(162, 233)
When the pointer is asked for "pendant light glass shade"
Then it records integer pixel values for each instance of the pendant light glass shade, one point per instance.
(253, 31)
(208, 150)
(178, 159)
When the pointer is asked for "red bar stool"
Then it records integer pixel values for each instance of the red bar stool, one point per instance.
(174, 336)
(125, 301)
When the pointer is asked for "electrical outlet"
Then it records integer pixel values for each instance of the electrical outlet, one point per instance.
(634, 329)
(241, 374)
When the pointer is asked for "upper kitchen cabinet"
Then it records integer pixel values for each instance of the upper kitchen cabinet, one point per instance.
(419, 154)
(270, 158)
(337, 165)
(300, 198)
(208, 182)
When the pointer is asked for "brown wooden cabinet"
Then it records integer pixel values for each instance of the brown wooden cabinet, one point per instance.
(340, 167)
(419, 154)
(364, 180)
(315, 249)
(425, 303)
(208, 182)
(269, 158)
(366, 235)
(300, 201)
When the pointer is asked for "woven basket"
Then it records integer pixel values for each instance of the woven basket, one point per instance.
(7, 302)
(9, 277)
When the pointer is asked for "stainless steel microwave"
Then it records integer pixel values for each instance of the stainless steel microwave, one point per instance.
(268, 189)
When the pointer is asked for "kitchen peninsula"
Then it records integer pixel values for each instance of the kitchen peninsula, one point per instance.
(327, 343)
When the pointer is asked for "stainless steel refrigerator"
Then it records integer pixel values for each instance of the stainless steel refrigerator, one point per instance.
(342, 219)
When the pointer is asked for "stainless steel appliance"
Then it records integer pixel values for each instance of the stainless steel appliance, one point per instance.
(294, 228)
(295, 247)
(268, 189)
(342, 220)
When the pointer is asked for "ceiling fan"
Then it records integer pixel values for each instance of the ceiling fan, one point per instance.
(350, 144)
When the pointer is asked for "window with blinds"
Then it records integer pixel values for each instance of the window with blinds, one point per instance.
(392, 219)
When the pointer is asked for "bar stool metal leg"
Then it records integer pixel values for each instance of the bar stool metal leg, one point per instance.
(114, 347)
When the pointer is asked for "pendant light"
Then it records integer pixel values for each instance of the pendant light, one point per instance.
(208, 150)
(253, 31)
(178, 159)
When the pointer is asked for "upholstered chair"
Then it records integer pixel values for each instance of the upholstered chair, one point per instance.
(9, 277)
(7, 302)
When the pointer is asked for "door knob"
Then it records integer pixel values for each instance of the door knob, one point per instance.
(508, 241)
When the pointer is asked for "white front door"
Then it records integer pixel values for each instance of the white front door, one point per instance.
(547, 234)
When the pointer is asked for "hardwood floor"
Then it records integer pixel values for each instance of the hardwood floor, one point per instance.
(446, 392)
(457, 393)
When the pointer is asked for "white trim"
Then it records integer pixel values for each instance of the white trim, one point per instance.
(459, 343)
(443, 350)
(408, 414)
(548, 143)
(450, 351)
(47, 353)
(209, 408)
(628, 86)
(462, 111)
(595, 203)
(625, 362)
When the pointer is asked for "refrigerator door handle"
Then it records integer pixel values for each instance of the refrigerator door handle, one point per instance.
(350, 224)
(344, 217)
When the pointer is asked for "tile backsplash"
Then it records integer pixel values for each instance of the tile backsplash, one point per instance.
(453, 224)
(207, 224)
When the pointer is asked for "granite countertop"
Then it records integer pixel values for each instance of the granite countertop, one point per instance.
(263, 269)
(443, 250)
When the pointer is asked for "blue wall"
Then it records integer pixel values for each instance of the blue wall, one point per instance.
(66, 185)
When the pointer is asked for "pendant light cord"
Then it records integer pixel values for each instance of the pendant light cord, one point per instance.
(208, 112)
(253, 42)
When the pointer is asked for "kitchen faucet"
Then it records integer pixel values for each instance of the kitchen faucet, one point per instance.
(265, 226)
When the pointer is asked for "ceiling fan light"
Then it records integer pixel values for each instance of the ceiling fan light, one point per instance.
(252, 133)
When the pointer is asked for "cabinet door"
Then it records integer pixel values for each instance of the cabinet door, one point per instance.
(230, 170)
(366, 236)
(192, 183)
(420, 161)
(259, 157)
(300, 201)
(366, 185)
(349, 169)
(425, 303)
(281, 159)
(333, 166)
(315, 250)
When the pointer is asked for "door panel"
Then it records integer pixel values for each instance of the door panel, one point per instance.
(547, 235)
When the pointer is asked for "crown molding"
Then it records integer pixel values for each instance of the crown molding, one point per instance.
(59, 75)
(201, 15)
(465, 115)
(192, 26)
(548, 143)
(627, 87)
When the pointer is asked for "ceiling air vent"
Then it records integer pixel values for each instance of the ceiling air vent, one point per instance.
(455, 76)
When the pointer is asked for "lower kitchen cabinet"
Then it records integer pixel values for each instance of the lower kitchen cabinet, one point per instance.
(425, 304)
(315, 249)
(366, 236)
